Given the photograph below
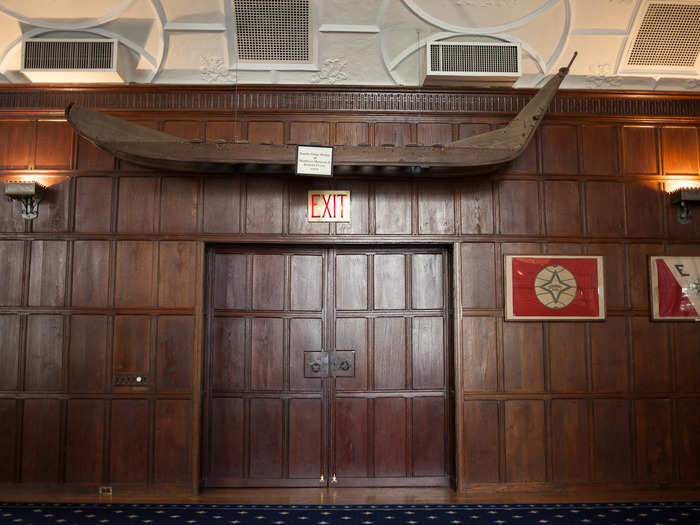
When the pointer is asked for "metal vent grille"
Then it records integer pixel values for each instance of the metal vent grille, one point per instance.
(669, 35)
(273, 30)
(68, 54)
(474, 58)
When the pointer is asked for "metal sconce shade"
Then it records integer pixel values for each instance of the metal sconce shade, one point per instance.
(683, 197)
(28, 194)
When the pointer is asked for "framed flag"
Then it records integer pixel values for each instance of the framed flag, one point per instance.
(675, 288)
(554, 287)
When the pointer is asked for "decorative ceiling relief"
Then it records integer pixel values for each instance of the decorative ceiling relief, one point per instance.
(331, 71)
(213, 70)
(359, 42)
(600, 77)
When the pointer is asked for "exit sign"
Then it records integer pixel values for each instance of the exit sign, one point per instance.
(329, 206)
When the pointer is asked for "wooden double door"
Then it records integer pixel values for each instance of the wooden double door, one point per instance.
(327, 367)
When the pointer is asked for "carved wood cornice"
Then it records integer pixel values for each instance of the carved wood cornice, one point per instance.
(252, 99)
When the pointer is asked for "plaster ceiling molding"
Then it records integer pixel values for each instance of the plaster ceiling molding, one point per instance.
(596, 57)
(186, 50)
(202, 15)
(603, 17)
(349, 13)
(678, 84)
(359, 52)
(214, 70)
(65, 14)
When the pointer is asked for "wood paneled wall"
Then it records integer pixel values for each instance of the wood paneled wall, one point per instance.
(106, 286)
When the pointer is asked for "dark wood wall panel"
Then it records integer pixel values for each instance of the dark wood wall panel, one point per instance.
(174, 354)
(640, 150)
(479, 354)
(654, 439)
(680, 150)
(477, 207)
(129, 441)
(138, 211)
(55, 207)
(520, 208)
(605, 207)
(103, 286)
(16, 145)
(47, 273)
(172, 441)
(134, 273)
(525, 440)
(429, 448)
(8, 438)
(85, 441)
(221, 205)
(610, 356)
(599, 150)
(688, 414)
(478, 275)
(687, 340)
(563, 208)
(54, 145)
(91, 262)
(567, 357)
(178, 209)
(92, 157)
(41, 423)
(436, 208)
(9, 351)
(88, 354)
(93, 204)
(11, 260)
(559, 149)
(652, 356)
(613, 443)
(44, 354)
(570, 440)
(523, 357)
(176, 275)
(132, 345)
(389, 437)
(481, 441)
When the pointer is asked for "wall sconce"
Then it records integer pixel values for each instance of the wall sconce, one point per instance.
(684, 198)
(28, 194)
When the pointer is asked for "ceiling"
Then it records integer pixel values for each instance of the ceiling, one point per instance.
(368, 42)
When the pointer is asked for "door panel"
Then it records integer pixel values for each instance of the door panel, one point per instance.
(272, 420)
(395, 430)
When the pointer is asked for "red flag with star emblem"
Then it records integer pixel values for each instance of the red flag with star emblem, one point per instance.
(554, 287)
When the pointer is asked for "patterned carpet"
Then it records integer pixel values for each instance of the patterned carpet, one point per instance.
(669, 513)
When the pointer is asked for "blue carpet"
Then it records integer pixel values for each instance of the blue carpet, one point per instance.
(668, 513)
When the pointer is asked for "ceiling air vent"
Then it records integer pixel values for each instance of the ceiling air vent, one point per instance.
(273, 31)
(665, 38)
(64, 60)
(473, 63)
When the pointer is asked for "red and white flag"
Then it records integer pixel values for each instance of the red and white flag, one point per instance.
(675, 287)
(541, 287)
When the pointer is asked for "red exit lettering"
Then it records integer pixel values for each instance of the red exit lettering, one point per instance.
(329, 206)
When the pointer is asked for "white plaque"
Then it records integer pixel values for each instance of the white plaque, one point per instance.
(315, 160)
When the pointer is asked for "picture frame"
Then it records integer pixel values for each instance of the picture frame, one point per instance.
(554, 288)
(674, 287)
